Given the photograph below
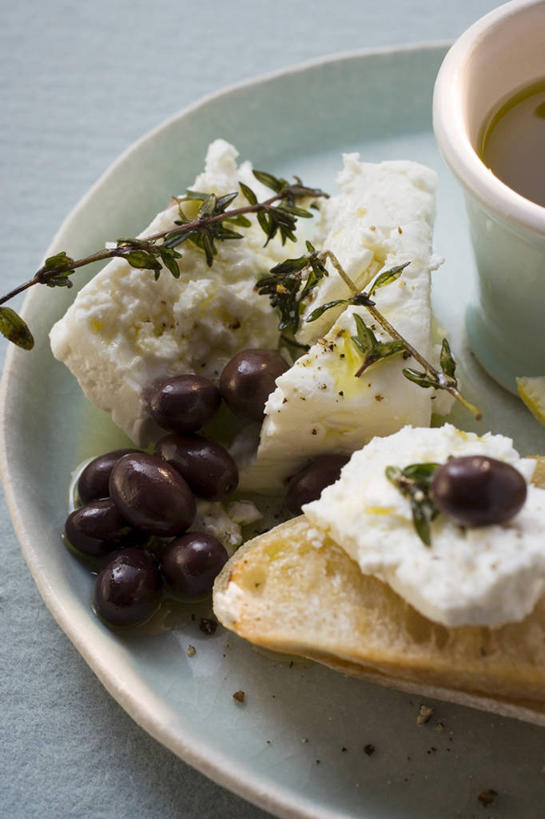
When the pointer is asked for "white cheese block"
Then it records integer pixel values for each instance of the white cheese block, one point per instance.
(490, 575)
(319, 406)
(382, 216)
(124, 331)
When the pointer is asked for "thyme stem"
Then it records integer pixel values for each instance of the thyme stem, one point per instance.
(442, 381)
(202, 221)
(44, 274)
(328, 254)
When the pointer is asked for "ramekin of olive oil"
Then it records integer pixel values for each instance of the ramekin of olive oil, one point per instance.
(512, 143)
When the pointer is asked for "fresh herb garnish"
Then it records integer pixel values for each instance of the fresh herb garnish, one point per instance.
(442, 380)
(214, 222)
(369, 346)
(15, 329)
(414, 483)
(289, 284)
(373, 350)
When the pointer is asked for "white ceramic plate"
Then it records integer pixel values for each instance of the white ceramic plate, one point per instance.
(296, 746)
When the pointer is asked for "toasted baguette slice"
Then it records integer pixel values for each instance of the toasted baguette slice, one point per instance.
(291, 591)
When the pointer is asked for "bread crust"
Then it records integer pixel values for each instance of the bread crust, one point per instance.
(291, 592)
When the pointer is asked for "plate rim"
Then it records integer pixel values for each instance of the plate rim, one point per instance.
(217, 766)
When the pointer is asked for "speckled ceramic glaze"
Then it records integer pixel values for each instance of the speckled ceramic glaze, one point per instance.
(296, 745)
(495, 58)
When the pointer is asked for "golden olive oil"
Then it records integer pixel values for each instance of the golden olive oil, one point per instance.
(513, 142)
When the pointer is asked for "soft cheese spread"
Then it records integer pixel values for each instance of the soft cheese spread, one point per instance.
(486, 576)
(124, 331)
(225, 520)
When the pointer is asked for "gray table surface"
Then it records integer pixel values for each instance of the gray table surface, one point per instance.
(80, 82)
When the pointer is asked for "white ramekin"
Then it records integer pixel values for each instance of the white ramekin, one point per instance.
(500, 54)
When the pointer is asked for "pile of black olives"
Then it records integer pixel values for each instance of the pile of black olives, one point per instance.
(137, 507)
(130, 531)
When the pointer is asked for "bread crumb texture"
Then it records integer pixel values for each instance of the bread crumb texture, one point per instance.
(315, 602)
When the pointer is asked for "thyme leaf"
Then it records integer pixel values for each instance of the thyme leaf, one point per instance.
(168, 257)
(446, 360)
(60, 262)
(56, 270)
(270, 181)
(289, 283)
(319, 311)
(387, 277)
(143, 259)
(248, 193)
(423, 379)
(372, 349)
(239, 221)
(445, 379)
(15, 329)
(414, 483)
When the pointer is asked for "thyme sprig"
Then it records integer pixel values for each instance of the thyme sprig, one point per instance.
(213, 223)
(288, 285)
(430, 376)
(414, 483)
(370, 347)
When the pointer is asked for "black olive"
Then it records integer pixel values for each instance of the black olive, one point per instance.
(478, 491)
(206, 466)
(128, 588)
(191, 563)
(184, 403)
(151, 494)
(98, 528)
(93, 481)
(307, 484)
(248, 379)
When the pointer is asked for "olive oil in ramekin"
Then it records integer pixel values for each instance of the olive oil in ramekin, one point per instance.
(513, 142)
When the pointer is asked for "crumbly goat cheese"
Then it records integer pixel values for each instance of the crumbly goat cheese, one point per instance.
(225, 521)
(382, 216)
(124, 331)
(485, 576)
(229, 603)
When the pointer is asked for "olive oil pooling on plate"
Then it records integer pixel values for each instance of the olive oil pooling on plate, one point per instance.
(512, 143)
